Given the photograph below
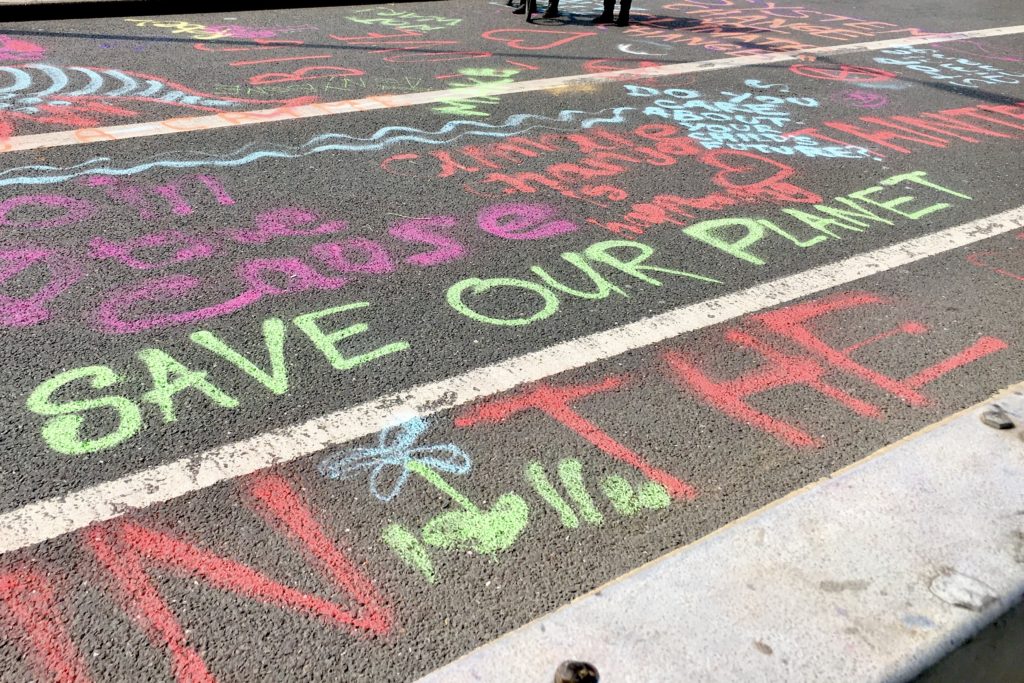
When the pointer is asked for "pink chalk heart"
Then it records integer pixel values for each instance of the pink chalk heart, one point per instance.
(531, 43)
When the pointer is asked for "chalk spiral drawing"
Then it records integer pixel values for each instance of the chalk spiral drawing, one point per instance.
(36, 84)
(330, 142)
(394, 456)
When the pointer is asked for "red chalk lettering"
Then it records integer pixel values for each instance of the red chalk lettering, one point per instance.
(790, 323)
(127, 550)
(556, 402)
(781, 370)
(33, 622)
(785, 369)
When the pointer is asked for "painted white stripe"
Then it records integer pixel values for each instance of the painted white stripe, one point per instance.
(871, 575)
(46, 519)
(228, 119)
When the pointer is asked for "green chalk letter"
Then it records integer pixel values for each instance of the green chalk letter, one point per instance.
(170, 378)
(600, 252)
(273, 337)
(710, 232)
(476, 286)
(327, 342)
(61, 432)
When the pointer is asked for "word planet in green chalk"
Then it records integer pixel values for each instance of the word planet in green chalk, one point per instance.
(485, 532)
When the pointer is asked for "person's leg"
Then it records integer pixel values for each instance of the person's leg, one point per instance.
(623, 19)
(522, 8)
(606, 16)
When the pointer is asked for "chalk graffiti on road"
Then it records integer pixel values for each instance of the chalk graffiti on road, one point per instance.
(478, 77)
(390, 459)
(515, 125)
(19, 50)
(400, 20)
(1007, 262)
(957, 72)
(496, 529)
(123, 553)
(186, 28)
(329, 87)
(256, 32)
(738, 29)
(81, 95)
(861, 99)
(257, 274)
(747, 121)
(490, 301)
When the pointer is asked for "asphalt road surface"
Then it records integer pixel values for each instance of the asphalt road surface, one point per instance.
(466, 317)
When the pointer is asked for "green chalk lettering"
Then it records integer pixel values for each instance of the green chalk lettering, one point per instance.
(274, 332)
(891, 204)
(710, 232)
(918, 177)
(821, 223)
(327, 342)
(471, 528)
(653, 496)
(602, 287)
(409, 549)
(601, 253)
(476, 287)
(791, 237)
(538, 478)
(62, 432)
(858, 212)
(620, 493)
(570, 471)
(170, 378)
(627, 502)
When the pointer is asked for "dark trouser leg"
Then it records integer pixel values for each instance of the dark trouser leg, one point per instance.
(552, 11)
(623, 19)
(606, 16)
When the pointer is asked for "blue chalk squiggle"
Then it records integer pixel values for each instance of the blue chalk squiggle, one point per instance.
(330, 142)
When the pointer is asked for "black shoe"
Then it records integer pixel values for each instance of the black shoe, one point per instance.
(622, 21)
(550, 14)
(603, 19)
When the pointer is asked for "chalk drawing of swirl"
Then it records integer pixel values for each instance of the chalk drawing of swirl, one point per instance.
(331, 142)
(24, 88)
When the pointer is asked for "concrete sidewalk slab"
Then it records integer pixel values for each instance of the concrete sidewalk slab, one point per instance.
(873, 574)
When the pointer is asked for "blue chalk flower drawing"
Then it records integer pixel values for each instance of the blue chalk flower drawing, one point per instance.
(388, 461)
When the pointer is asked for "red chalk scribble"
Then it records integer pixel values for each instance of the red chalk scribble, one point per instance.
(16, 50)
(781, 370)
(843, 72)
(127, 549)
(28, 605)
(556, 402)
(784, 369)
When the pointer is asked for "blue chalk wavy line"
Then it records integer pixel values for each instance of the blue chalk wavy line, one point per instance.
(331, 142)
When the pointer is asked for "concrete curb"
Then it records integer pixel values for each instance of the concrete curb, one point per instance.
(873, 574)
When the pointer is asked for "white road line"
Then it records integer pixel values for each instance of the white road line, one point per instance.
(871, 575)
(53, 517)
(228, 119)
